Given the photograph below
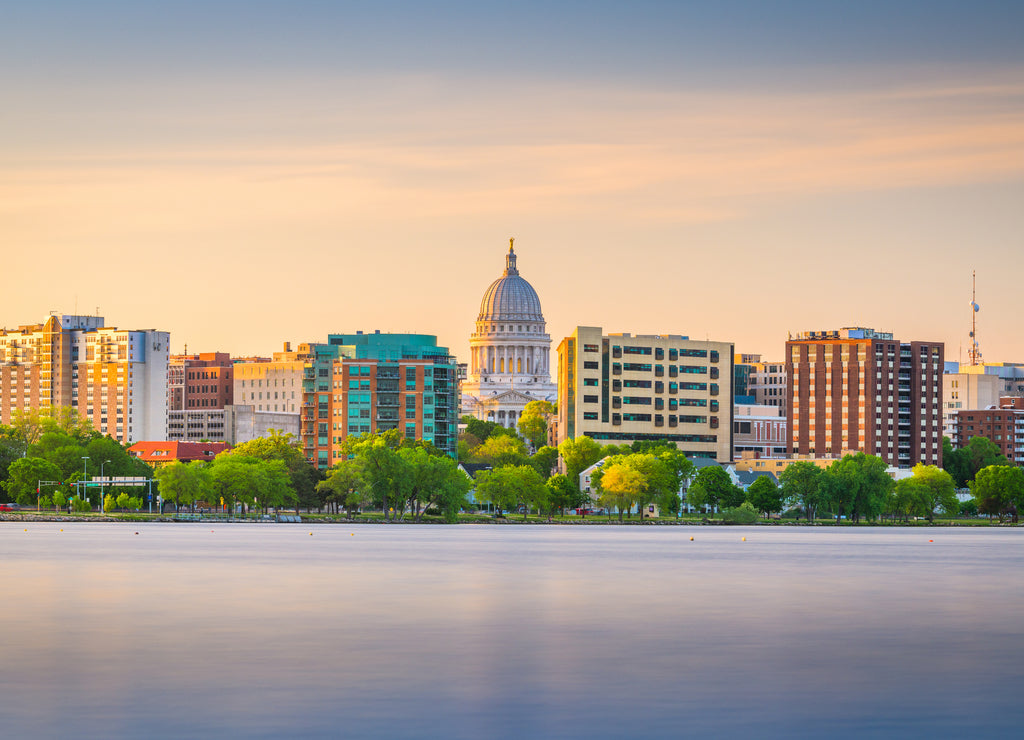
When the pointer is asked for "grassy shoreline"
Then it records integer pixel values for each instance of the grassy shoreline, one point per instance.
(511, 520)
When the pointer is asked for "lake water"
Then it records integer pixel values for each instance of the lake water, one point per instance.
(193, 630)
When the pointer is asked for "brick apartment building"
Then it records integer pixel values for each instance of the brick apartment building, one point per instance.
(858, 389)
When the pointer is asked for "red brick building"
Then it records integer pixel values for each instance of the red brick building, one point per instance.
(1003, 426)
(201, 381)
(858, 389)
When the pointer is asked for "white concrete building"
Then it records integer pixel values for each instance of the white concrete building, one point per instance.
(962, 391)
(510, 351)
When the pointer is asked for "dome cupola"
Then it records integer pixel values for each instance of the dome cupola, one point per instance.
(510, 297)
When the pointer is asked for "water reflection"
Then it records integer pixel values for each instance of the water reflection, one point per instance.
(468, 632)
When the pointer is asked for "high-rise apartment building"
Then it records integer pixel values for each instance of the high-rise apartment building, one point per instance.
(620, 388)
(858, 389)
(364, 383)
(115, 378)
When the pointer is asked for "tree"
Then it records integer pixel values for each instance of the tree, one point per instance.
(31, 424)
(544, 460)
(483, 430)
(386, 474)
(801, 484)
(858, 485)
(764, 495)
(232, 479)
(443, 486)
(937, 491)
(578, 455)
(658, 481)
(24, 475)
(562, 494)
(620, 486)
(343, 486)
(964, 464)
(501, 451)
(907, 498)
(533, 422)
(434, 480)
(272, 486)
(12, 447)
(681, 467)
(510, 487)
(711, 487)
(999, 490)
(303, 475)
(184, 483)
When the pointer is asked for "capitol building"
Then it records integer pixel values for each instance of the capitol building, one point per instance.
(510, 351)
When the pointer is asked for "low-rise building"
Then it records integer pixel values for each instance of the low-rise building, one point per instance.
(163, 452)
(758, 429)
(1003, 426)
(962, 391)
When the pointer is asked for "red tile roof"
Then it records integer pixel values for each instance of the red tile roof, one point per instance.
(156, 453)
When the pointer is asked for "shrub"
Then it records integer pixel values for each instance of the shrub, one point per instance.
(745, 513)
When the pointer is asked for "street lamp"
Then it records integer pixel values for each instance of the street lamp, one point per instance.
(101, 486)
(85, 475)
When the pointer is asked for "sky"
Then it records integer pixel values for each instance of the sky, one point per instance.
(243, 174)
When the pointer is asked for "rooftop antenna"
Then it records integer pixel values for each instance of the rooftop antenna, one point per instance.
(974, 353)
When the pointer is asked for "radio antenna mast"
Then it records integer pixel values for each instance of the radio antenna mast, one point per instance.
(974, 353)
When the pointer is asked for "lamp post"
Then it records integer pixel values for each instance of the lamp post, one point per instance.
(102, 504)
(85, 475)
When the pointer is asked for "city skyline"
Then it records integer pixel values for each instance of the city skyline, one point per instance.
(242, 175)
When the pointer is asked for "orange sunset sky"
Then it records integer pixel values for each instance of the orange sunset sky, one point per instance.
(244, 174)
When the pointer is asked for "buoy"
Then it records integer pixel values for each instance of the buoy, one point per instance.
(931, 540)
(353, 534)
(310, 534)
(744, 539)
(691, 539)
(136, 533)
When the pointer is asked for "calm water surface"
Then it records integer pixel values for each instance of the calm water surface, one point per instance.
(183, 630)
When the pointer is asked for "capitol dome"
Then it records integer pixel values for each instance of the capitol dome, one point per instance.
(509, 351)
(510, 297)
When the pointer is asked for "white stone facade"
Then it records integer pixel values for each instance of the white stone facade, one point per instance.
(509, 351)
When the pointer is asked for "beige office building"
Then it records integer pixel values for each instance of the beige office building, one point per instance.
(274, 385)
(619, 388)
